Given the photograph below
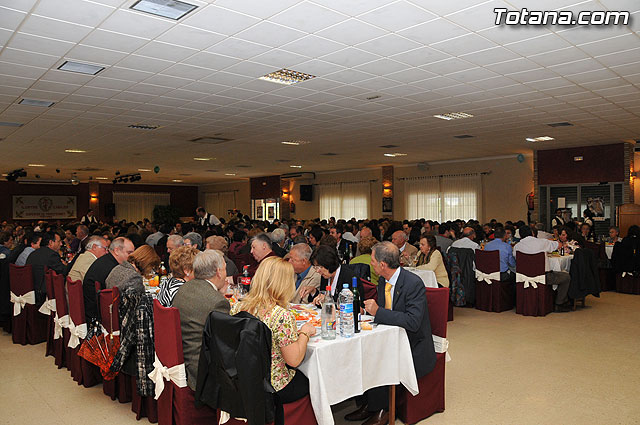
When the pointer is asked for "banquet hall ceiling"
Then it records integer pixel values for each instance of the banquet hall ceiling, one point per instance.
(383, 68)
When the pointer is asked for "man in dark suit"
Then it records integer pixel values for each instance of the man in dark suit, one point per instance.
(119, 251)
(343, 246)
(402, 301)
(45, 257)
(195, 300)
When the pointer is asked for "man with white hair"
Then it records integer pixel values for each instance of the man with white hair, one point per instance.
(195, 300)
(399, 239)
(193, 239)
(95, 248)
(277, 242)
(307, 277)
(174, 242)
(219, 243)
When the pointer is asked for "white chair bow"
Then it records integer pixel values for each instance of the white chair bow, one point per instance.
(19, 301)
(487, 277)
(77, 333)
(531, 280)
(441, 345)
(177, 374)
(58, 324)
(48, 306)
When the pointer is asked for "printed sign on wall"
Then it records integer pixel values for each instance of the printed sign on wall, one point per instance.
(43, 207)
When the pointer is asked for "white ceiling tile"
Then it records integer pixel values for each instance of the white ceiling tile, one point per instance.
(125, 74)
(495, 82)
(76, 11)
(39, 25)
(606, 84)
(348, 91)
(351, 32)
(96, 92)
(410, 75)
(538, 45)
(167, 81)
(258, 8)
(5, 35)
(211, 61)
(66, 77)
(397, 16)
(448, 66)
(558, 57)
(478, 17)
(220, 20)
(459, 90)
(170, 52)
(517, 65)
(22, 5)
(237, 48)
(25, 71)
(576, 67)
(195, 38)
(43, 95)
(27, 58)
(352, 7)
(590, 76)
(308, 17)
(551, 84)
(490, 56)
(421, 56)
(109, 83)
(270, 34)
(261, 86)
(313, 46)
(435, 82)
(505, 34)
(433, 31)
(388, 45)
(619, 58)
(444, 8)
(239, 94)
(203, 87)
(226, 79)
(533, 75)
(144, 63)
(348, 76)
(318, 67)
(138, 24)
(472, 75)
(462, 45)
(279, 59)
(187, 71)
(350, 57)
(250, 69)
(612, 45)
(114, 41)
(94, 55)
(628, 5)
(628, 69)
(403, 90)
(382, 66)
(11, 19)
(39, 44)
(585, 34)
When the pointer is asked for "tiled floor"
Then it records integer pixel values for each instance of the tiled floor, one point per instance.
(571, 368)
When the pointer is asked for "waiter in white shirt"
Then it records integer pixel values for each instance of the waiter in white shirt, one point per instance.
(205, 219)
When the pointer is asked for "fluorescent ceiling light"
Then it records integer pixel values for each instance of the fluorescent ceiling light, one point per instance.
(102, 178)
(295, 142)
(229, 174)
(539, 139)
(82, 68)
(295, 166)
(176, 181)
(10, 124)
(144, 169)
(393, 155)
(34, 102)
(453, 116)
(74, 151)
(35, 165)
(171, 9)
(287, 77)
(202, 159)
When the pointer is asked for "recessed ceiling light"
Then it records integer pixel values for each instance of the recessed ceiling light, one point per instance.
(102, 178)
(295, 142)
(578, 158)
(35, 165)
(395, 154)
(144, 169)
(34, 102)
(287, 77)
(143, 126)
(82, 68)
(202, 159)
(74, 151)
(10, 124)
(453, 116)
(295, 166)
(176, 181)
(539, 139)
(171, 9)
(229, 174)
(4, 174)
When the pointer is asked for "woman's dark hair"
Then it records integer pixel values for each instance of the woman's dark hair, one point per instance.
(239, 236)
(414, 235)
(317, 233)
(431, 241)
(525, 231)
(327, 257)
(634, 231)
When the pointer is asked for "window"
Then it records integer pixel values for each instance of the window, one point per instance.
(443, 198)
(219, 203)
(344, 200)
(134, 206)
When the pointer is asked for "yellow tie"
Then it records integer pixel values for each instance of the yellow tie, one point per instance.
(387, 296)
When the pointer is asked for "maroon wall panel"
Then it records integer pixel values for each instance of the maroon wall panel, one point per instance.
(600, 164)
(265, 187)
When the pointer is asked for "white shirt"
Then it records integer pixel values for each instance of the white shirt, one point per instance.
(544, 235)
(531, 245)
(213, 220)
(211, 283)
(403, 247)
(392, 282)
(334, 282)
(464, 243)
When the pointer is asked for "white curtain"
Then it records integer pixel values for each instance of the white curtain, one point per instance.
(219, 203)
(344, 200)
(134, 206)
(443, 198)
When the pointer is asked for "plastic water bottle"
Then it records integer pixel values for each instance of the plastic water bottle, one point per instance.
(346, 312)
(328, 316)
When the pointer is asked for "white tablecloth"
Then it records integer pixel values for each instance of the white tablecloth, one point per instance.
(560, 264)
(427, 276)
(347, 367)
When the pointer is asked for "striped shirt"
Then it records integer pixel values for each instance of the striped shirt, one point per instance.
(169, 290)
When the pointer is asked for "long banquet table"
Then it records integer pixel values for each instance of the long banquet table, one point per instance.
(347, 367)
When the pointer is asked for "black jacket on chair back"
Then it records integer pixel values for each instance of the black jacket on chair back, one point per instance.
(585, 278)
(234, 371)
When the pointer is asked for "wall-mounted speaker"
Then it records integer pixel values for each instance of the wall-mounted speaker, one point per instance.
(306, 192)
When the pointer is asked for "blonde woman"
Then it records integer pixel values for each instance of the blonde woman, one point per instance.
(272, 287)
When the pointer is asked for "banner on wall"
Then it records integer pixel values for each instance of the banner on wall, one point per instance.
(43, 207)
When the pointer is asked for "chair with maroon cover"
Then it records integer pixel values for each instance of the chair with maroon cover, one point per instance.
(627, 283)
(83, 372)
(370, 290)
(176, 402)
(143, 407)
(430, 399)
(48, 308)
(533, 296)
(109, 302)
(28, 325)
(491, 293)
(60, 321)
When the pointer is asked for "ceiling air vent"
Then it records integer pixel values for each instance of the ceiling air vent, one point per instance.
(329, 154)
(464, 136)
(560, 124)
(211, 140)
(389, 146)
